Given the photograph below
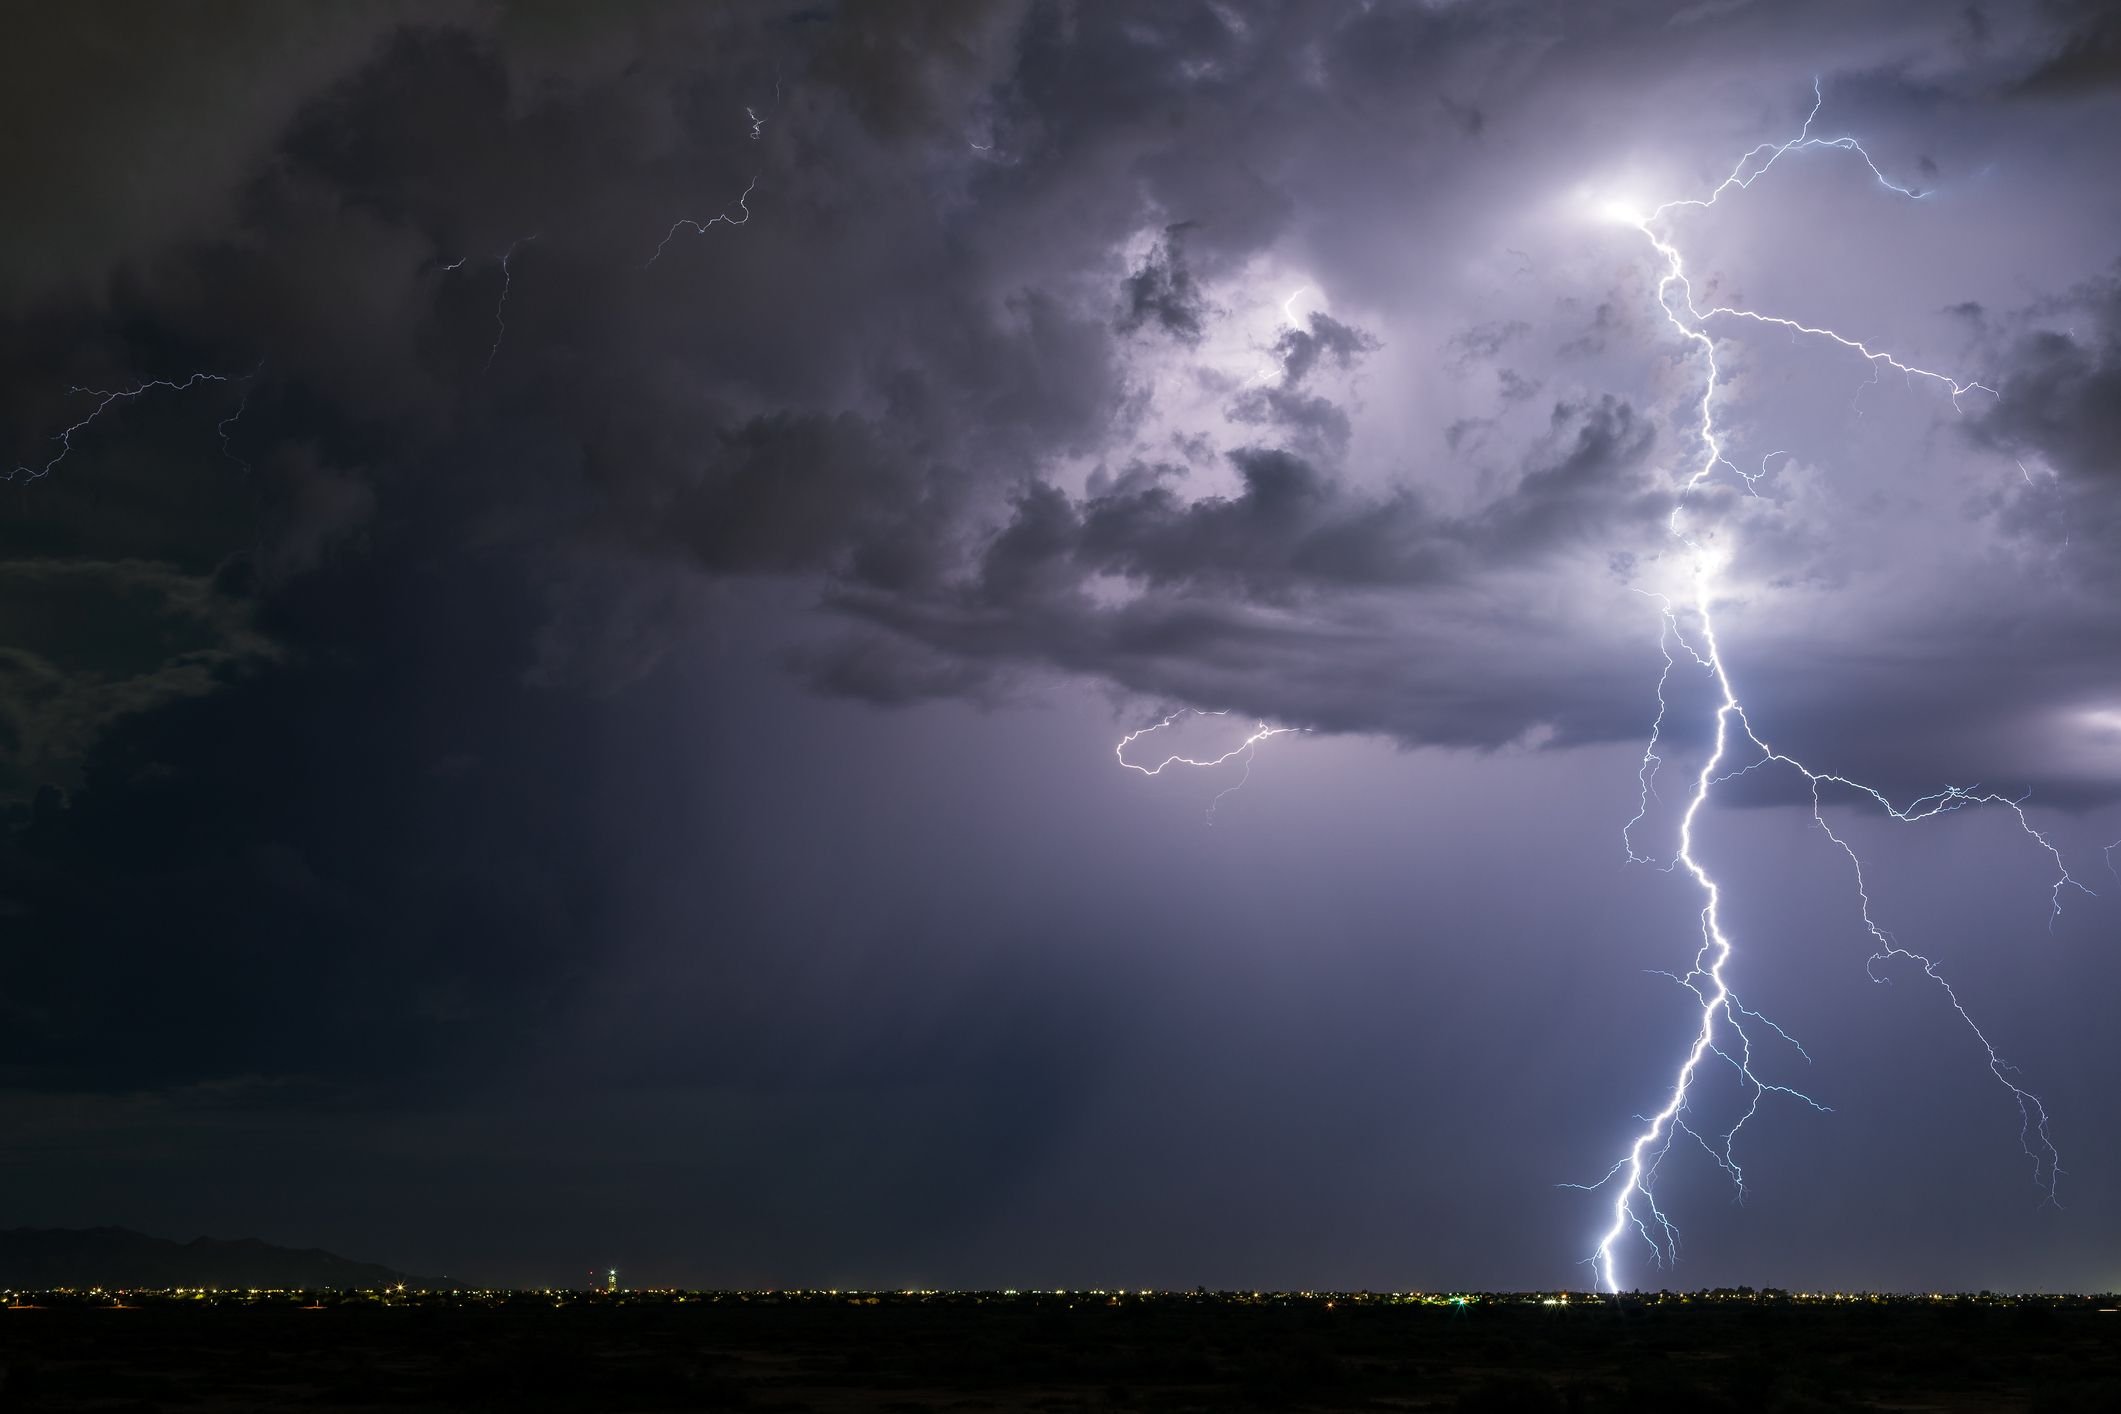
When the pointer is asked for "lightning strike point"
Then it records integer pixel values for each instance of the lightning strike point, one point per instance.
(1720, 1030)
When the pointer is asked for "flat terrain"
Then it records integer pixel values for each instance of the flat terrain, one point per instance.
(906, 1352)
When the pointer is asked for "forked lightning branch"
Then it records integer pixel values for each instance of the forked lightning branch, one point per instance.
(1726, 1032)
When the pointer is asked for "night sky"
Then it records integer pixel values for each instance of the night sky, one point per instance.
(589, 741)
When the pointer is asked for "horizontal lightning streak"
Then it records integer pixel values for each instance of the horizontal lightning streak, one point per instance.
(107, 398)
(1261, 731)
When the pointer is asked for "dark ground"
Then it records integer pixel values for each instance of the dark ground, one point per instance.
(662, 1351)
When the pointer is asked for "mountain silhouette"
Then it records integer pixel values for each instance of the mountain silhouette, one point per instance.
(42, 1258)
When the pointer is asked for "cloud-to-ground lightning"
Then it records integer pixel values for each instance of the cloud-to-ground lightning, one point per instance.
(1721, 1033)
(1245, 750)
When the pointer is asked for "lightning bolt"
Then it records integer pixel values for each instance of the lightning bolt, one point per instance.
(226, 427)
(500, 306)
(1245, 749)
(1721, 1033)
(108, 398)
(757, 123)
(700, 228)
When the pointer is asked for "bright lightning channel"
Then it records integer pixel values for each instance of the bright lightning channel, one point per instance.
(1245, 749)
(1635, 1206)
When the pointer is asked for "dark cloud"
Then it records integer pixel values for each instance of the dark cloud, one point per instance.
(151, 125)
(90, 642)
(1294, 529)
(351, 946)
(1165, 293)
(2061, 391)
(1240, 590)
(868, 394)
(265, 784)
(2086, 56)
(1314, 422)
